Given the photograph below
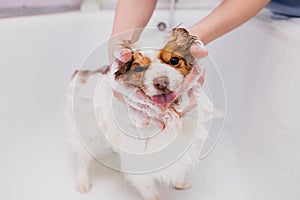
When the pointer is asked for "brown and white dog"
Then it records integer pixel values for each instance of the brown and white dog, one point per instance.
(159, 89)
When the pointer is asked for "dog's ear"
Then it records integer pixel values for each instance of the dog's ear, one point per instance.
(123, 68)
(180, 42)
(124, 58)
(83, 75)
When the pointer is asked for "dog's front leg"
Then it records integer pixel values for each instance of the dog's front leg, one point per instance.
(145, 185)
(182, 185)
(84, 183)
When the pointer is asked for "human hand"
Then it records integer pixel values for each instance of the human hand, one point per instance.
(123, 55)
(197, 50)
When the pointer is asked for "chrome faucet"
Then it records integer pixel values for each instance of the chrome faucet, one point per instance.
(172, 6)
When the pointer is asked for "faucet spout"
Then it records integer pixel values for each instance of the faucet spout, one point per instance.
(172, 13)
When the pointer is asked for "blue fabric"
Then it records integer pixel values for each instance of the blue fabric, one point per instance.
(285, 7)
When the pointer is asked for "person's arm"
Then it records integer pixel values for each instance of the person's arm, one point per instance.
(226, 17)
(132, 14)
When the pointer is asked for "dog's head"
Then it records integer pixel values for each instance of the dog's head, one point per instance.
(159, 74)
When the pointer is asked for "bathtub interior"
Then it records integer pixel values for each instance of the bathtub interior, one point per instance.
(256, 158)
(265, 129)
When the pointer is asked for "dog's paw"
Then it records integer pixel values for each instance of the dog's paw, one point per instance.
(84, 186)
(155, 197)
(184, 185)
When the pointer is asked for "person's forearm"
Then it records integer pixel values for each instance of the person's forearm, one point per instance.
(227, 16)
(132, 14)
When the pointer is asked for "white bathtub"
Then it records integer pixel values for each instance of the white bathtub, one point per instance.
(257, 158)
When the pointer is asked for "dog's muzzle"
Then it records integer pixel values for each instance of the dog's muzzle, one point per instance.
(161, 84)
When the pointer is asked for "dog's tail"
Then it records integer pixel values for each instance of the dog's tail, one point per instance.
(83, 75)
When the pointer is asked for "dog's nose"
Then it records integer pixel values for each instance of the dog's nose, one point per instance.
(161, 82)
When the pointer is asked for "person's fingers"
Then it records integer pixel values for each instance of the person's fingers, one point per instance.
(197, 51)
(201, 80)
(118, 95)
(125, 55)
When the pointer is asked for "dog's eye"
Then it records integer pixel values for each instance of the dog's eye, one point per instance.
(174, 61)
(140, 68)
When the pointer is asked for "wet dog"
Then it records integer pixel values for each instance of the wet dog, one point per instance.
(159, 88)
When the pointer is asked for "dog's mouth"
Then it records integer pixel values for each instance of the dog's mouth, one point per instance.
(163, 99)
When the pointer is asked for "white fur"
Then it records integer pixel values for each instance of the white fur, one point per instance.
(157, 70)
(112, 139)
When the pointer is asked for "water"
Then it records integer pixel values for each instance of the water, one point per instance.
(172, 13)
